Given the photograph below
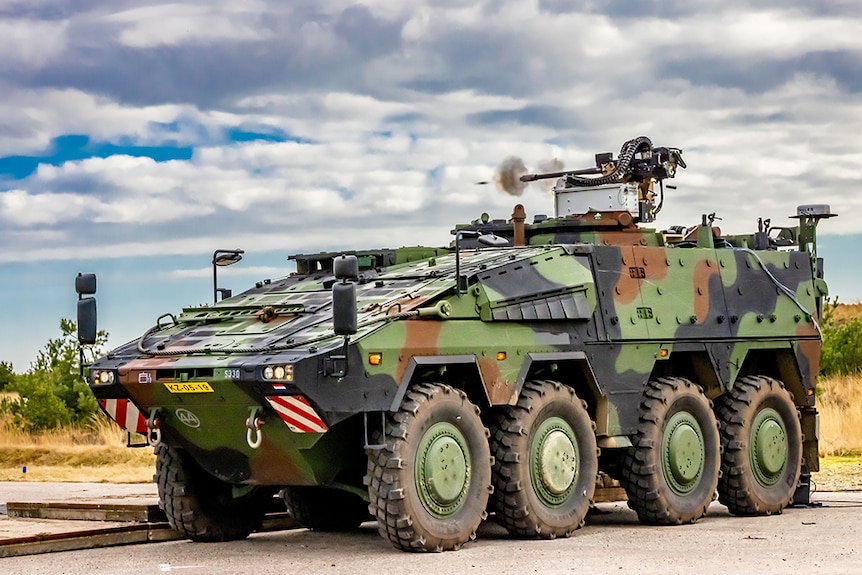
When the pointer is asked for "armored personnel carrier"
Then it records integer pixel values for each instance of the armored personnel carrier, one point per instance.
(425, 388)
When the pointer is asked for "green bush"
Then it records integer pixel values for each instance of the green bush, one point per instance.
(37, 408)
(52, 392)
(842, 348)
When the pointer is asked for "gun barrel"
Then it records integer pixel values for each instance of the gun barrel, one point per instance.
(545, 176)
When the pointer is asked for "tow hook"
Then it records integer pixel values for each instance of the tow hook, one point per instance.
(154, 432)
(253, 435)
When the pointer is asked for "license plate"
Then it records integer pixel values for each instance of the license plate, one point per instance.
(189, 387)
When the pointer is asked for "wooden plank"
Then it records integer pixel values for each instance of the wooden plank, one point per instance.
(86, 539)
(86, 512)
(128, 534)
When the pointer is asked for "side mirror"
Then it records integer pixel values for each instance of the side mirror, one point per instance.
(85, 284)
(344, 317)
(345, 267)
(87, 320)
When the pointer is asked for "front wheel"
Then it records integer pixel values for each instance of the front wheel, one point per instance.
(200, 506)
(429, 485)
(671, 471)
(762, 441)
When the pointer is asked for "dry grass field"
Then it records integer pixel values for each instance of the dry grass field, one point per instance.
(95, 452)
(847, 311)
(839, 401)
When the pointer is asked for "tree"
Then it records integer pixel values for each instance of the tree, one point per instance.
(52, 392)
(842, 348)
(7, 374)
(37, 407)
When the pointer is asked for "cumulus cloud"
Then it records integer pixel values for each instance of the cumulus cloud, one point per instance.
(147, 26)
(19, 49)
(385, 115)
(312, 125)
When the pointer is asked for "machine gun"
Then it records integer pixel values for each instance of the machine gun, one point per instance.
(632, 175)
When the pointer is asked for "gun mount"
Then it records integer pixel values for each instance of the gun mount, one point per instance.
(626, 183)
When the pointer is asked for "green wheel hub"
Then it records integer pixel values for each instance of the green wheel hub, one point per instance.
(554, 458)
(683, 453)
(442, 471)
(768, 449)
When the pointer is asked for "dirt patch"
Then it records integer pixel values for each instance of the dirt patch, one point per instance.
(838, 474)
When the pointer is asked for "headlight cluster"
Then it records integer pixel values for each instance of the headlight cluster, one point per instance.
(280, 372)
(103, 376)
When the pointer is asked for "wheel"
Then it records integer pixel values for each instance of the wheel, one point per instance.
(429, 485)
(671, 471)
(200, 506)
(545, 462)
(762, 441)
(325, 509)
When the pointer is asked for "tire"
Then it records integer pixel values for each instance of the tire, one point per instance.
(435, 434)
(762, 440)
(545, 462)
(323, 509)
(671, 472)
(200, 506)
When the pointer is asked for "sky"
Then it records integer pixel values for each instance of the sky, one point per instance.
(137, 137)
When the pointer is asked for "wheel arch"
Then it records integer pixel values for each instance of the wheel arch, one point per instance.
(780, 364)
(695, 365)
(459, 371)
(571, 368)
(463, 372)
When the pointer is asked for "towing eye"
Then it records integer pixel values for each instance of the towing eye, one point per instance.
(253, 435)
(154, 432)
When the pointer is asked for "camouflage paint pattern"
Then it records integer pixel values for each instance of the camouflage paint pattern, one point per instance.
(593, 301)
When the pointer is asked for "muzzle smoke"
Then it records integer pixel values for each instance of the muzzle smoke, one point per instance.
(508, 174)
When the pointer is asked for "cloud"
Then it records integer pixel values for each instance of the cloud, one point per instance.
(22, 209)
(383, 116)
(308, 126)
(32, 118)
(19, 50)
(147, 26)
(236, 271)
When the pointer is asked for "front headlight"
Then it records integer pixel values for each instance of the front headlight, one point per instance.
(279, 372)
(103, 377)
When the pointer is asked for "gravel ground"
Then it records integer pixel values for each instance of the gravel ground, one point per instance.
(844, 474)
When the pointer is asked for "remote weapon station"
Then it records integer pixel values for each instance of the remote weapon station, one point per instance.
(425, 388)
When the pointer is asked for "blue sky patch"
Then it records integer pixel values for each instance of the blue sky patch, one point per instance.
(74, 147)
(264, 134)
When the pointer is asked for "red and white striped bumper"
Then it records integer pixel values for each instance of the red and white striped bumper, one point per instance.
(297, 413)
(125, 414)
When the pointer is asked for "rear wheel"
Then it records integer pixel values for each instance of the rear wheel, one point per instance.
(545, 462)
(200, 506)
(671, 471)
(762, 441)
(325, 509)
(429, 484)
